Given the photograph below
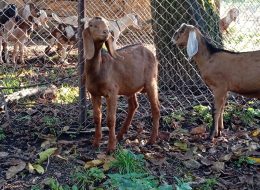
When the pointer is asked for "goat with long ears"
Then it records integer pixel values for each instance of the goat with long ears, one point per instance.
(221, 70)
(126, 71)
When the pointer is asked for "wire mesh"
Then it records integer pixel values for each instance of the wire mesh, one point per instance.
(44, 90)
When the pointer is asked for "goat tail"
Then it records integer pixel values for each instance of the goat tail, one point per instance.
(57, 18)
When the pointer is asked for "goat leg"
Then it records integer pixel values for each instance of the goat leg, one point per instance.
(21, 50)
(97, 115)
(1, 49)
(15, 53)
(132, 107)
(111, 122)
(219, 102)
(152, 93)
(6, 55)
(220, 122)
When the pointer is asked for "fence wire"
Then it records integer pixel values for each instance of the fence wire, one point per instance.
(44, 89)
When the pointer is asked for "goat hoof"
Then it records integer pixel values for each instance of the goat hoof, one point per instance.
(110, 150)
(119, 137)
(151, 141)
(95, 144)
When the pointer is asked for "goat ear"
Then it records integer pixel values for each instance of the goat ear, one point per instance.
(192, 45)
(89, 48)
(110, 47)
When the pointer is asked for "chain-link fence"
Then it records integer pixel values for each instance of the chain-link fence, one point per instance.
(44, 89)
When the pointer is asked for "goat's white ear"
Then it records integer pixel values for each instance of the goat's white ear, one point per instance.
(192, 45)
(89, 48)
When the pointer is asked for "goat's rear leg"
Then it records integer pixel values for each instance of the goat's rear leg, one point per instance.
(111, 122)
(97, 115)
(152, 93)
(219, 102)
(132, 107)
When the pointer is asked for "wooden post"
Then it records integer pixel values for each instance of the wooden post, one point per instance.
(82, 88)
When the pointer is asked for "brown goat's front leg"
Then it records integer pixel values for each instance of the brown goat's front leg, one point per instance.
(152, 93)
(97, 115)
(219, 102)
(221, 121)
(111, 122)
(132, 107)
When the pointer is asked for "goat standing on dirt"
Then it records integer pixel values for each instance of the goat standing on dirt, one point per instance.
(224, 23)
(221, 70)
(123, 72)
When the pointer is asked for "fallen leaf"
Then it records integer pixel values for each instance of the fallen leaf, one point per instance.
(192, 164)
(181, 145)
(46, 154)
(38, 168)
(256, 160)
(30, 168)
(206, 162)
(226, 157)
(198, 130)
(13, 170)
(218, 166)
(256, 133)
(3, 154)
(93, 163)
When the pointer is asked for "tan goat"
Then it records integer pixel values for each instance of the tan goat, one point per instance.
(221, 70)
(120, 72)
(231, 16)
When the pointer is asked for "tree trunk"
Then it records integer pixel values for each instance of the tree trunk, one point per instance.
(175, 71)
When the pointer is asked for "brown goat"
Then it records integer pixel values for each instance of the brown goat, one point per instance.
(221, 70)
(122, 72)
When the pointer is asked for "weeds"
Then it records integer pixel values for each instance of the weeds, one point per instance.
(182, 184)
(209, 184)
(204, 113)
(128, 162)
(86, 178)
(244, 160)
(131, 181)
(50, 121)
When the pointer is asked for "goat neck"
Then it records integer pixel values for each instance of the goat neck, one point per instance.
(93, 65)
(203, 55)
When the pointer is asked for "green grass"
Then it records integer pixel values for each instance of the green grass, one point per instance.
(127, 162)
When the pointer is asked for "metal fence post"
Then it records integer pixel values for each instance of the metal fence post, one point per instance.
(82, 88)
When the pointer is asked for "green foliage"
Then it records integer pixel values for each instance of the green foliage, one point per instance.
(36, 187)
(55, 185)
(177, 116)
(244, 160)
(2, 134)
(134, 181)
(86, 178)
(247, 115)
(128, 162)
(204, 113)
(50, 120)
(67, 94)
(182, 184)
(209, 184)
